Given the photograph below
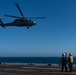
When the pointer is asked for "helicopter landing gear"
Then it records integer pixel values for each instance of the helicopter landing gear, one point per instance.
(27, 27)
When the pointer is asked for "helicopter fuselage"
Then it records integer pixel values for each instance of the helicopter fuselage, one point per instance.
(21, 23)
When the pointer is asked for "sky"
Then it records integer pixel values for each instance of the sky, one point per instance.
(50, 37)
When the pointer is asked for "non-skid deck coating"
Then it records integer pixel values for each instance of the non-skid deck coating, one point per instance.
(32, 70)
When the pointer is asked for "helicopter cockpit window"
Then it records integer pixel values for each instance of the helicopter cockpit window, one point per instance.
(26, 20)
(30, 21)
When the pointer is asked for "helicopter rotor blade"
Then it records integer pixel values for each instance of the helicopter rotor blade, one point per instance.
(37, 17)
(12, 16)
(19, 9)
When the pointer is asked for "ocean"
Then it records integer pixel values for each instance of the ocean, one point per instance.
(37, 60)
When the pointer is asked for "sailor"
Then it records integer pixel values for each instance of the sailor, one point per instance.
(70, 60)
(63, 63)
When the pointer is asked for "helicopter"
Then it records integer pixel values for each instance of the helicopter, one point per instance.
(20, 21)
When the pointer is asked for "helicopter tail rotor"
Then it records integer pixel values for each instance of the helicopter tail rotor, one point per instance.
(1, 23)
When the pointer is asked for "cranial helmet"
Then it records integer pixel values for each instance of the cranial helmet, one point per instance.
(63, 54)
(70, 54)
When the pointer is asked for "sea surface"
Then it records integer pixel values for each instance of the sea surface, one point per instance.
(37, 60)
